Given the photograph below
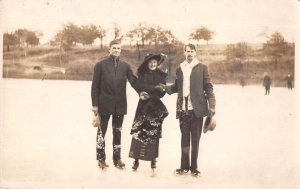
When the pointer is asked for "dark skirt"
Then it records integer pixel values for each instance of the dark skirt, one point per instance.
(147, 152)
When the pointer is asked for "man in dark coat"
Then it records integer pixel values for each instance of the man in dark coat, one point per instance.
(195, 100)
(267, 82)
(109, 98)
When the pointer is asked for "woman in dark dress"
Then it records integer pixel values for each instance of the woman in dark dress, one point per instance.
(150, 112)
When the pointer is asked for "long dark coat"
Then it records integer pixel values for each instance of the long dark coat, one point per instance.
(150, 113)
(109, 86)
(201, 91)
(267, 81)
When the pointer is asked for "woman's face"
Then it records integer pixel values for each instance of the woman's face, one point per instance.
(152, 64)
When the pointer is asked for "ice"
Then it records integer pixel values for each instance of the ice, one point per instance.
(48, 141)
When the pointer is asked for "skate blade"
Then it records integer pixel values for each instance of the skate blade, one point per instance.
(120, 167)
(180, 174)
(153, 173)
(196, 175)
(103, 168)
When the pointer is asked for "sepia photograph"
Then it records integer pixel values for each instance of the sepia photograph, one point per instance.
(149, 94)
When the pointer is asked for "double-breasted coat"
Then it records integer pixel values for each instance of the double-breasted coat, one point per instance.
(109, 86)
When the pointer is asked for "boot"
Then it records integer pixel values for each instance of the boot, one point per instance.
(135, 164)
(153, 164)
(195, 173)
(181, 171)
(119, 164)
(102, 164)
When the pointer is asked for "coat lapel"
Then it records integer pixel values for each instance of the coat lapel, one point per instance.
(111, 69)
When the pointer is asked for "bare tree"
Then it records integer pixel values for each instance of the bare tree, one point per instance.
(135, 35)
(68, 36)
(275, 46)
(101, 34)
(131, 36)
(239, 51)
(142, 30)
(9, 39)
(202, 33)
(167, 38)
(236, 55)
(27, 38)
(117, 31)
(153, 34)
(87, 34)
(150, 35)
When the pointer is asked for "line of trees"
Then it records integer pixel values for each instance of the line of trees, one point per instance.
(21, 38)
(275, 47)
(152, 35)
(238, 56)
(71, 35)
(144, 34)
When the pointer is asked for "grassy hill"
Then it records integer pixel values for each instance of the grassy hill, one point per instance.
(48, 62)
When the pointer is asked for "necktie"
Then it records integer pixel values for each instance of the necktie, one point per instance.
(115, 62)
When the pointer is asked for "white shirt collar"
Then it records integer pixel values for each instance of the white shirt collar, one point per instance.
(194, 62)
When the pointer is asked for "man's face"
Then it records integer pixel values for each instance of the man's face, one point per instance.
(115, 50)
(189, 53)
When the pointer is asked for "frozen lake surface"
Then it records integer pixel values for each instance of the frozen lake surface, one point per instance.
(47, 140)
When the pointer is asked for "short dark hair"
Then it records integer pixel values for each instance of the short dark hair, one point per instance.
(115, 41)
(192, 46)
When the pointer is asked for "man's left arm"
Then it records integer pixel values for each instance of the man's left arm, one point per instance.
(209, 91)
(132, 78)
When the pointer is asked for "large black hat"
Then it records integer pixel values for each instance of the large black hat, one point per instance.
(159, 57)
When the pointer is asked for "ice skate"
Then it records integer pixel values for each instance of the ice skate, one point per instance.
(153, 167)
(135, 165)
(153, 172)
(153, 164)
(195, 173)
(102, 164)
(119, 164)
(181, 171)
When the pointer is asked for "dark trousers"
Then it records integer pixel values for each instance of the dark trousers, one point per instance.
(267, 87)
(290, 86)
(191, 128)
(117, 121)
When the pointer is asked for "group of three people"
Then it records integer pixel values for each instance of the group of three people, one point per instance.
(195, 100)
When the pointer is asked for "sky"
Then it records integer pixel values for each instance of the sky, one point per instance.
(232, 20)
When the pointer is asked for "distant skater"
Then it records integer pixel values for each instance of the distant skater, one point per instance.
(267, 82)
(289, 81)
(43, 77)
(242, 82)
